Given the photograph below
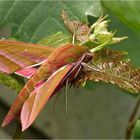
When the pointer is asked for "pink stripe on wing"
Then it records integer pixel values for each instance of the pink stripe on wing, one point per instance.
(40, 83)
(27, 72)
(33, 57)
(14, 58)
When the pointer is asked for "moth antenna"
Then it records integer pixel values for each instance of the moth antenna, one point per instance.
(77, 72)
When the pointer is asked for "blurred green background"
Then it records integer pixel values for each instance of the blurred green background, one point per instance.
(97, 111)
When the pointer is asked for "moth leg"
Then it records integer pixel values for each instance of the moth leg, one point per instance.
(78, 71)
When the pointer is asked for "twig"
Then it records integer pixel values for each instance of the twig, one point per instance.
(132, 120)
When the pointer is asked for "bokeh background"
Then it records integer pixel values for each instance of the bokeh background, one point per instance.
(96, 111)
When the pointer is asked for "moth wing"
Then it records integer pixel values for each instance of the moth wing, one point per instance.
(16, 55)
(38, 98)
(26, 72)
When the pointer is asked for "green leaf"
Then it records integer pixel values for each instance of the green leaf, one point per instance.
(55, 40)
(136, 134)
(127, 11)
(33, 20)
(12, 81)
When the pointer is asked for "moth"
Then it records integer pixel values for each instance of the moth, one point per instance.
(56, 66)
(50, 69)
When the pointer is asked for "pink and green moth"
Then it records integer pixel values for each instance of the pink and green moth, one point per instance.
(56, 67)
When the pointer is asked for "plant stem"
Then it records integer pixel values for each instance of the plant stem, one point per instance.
(18, 133)
(132, 120)
(100, 46)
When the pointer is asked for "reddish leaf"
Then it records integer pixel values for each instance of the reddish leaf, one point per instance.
(77, 28)
(120, 73)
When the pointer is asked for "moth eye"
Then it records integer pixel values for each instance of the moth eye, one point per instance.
(88, 57)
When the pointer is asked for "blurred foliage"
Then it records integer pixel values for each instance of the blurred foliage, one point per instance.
(126, 11)
(42, 18)
(55, 40)
(12, 81)
(31, 21)
(137, 130)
